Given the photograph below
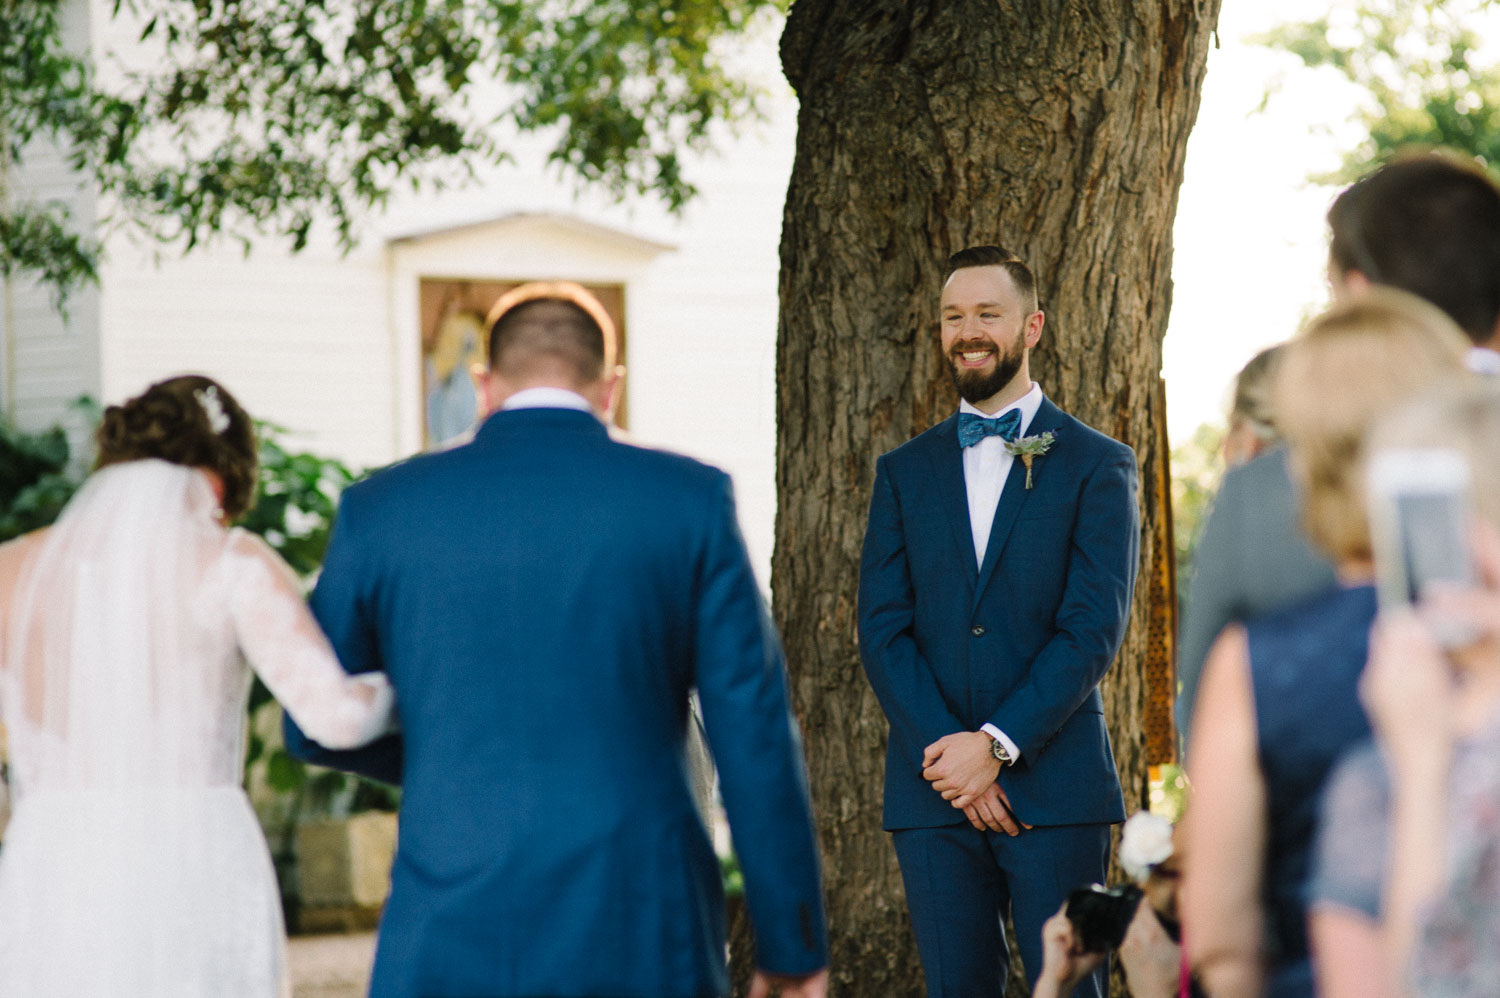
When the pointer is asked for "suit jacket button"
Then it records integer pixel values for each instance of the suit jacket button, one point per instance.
(977, 631)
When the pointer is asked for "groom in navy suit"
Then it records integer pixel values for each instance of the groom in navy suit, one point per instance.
(543, 599)
(995, 584)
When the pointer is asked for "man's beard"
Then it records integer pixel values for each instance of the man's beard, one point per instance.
(975, 386)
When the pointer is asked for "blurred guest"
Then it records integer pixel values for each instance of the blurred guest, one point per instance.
(1252, 426)
(1150, 951)
(1249, 558)
(1426, 223)
(1278, 703)
(1432, 788)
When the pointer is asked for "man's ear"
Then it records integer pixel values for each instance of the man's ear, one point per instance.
(613, 385)
(1034, 323)
(490, 390)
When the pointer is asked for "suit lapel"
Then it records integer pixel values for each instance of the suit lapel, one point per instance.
(1013, 497)
(948, 474)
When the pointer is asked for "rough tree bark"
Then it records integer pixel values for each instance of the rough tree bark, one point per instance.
(1054, 127)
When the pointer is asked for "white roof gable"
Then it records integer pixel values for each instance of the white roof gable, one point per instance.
(540, 235)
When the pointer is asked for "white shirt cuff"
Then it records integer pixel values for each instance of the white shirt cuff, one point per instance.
(1003, 739)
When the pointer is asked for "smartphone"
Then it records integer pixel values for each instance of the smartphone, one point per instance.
(1419, 528)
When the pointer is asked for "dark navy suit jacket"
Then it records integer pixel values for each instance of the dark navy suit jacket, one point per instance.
(1022, 640)
(543, 599)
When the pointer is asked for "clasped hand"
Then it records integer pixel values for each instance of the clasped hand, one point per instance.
(962, 768)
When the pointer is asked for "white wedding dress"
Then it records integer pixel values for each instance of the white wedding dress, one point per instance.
(133, 866)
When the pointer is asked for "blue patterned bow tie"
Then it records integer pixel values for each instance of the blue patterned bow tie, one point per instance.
(972, 428)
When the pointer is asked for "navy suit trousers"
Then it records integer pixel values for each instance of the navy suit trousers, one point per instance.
(960, 881)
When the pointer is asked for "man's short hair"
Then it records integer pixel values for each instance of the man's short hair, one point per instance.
(581, 339)
(997, 256)
(1427, 223)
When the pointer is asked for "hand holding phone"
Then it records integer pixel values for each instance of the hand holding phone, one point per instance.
(1420, 525)
(1409, 693)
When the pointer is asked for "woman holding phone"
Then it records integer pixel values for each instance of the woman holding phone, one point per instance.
(1278, 705)
(1406, 899)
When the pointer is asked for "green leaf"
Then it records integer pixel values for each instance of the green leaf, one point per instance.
(285, 773)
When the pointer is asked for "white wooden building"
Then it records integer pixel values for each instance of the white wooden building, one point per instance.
(334, 346)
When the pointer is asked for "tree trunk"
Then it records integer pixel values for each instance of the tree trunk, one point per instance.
(1054, 128)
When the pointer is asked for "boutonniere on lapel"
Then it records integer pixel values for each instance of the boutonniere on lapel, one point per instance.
(1028, 449)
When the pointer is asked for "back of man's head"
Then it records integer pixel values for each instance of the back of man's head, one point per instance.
(550, 331)
(1427, 223)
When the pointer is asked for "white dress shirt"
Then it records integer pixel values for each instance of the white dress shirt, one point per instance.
(986, 466)
(547, 398)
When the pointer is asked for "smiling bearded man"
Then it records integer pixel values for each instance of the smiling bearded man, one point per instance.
(993, 595)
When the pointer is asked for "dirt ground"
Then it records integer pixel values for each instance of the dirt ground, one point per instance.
(335, 966)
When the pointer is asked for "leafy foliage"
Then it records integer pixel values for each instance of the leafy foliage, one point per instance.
(295, 504)
(1169, 792)
(732, 876)
(44, 95)
(267, 115)
(36, 475)
(1417, 63)
(1196, 469)
(34, 479)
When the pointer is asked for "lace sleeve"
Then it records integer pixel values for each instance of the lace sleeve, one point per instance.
(284, 645)
(4, 785)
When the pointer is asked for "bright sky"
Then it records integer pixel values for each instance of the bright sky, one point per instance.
(1250, 241)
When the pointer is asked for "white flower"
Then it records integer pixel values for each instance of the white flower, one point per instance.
(213, 408)
(1146, 842)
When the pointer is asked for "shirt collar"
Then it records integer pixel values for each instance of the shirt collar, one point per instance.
(547, 398)
(1482, 360)
(1027, 404)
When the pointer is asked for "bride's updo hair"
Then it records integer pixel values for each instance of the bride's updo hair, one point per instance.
(189, 420)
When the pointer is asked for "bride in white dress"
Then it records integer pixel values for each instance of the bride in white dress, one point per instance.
(133, 865)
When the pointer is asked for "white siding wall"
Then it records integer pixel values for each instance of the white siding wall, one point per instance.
(303, 341)
(56, 357)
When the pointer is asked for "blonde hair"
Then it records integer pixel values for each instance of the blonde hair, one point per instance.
(1350, 365)
(1463, 417)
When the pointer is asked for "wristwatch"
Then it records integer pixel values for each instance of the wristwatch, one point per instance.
(999, 751)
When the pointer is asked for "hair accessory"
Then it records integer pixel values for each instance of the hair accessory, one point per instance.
(213, 408)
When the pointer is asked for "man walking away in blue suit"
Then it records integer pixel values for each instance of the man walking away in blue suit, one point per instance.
(543, 600)
(995, 584)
